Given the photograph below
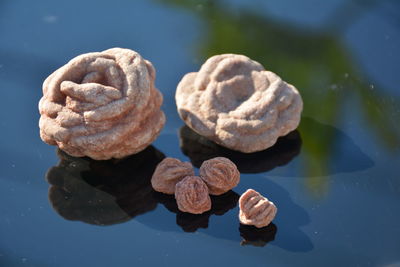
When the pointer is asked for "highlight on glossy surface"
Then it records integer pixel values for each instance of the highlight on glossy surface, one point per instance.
(169, 172)
(192, 195)
(236, 103)
(220, 174)
(102, 105)
(254, 209)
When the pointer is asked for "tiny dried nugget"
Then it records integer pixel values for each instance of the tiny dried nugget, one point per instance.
(168, 173)
(254, 209)
(220, 174)
(192, 195)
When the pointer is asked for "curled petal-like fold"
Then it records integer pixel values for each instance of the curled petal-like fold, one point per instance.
(236, 103)
(192, 195)
(254, 209)
(220, 174)
(102, 105)
(168, 173)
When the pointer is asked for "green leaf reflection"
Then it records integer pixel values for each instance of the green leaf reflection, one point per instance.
(316, 62)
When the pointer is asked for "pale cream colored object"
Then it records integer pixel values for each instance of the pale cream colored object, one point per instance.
(169, 172)
(192, 195)
(102, 105)
(220, 175)
(255, 209)
(236, 103)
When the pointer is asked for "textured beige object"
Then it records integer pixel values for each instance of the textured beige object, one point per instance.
(102, 105)
(169, 172)
(220, 174)
(192, 195)
(255, 209)
(236, 103)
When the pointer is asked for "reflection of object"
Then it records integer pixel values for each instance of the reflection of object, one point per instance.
(258, 237)
(169, 172)
(220, 174)
(342, 154)
(191, 222)
(199, 149)
(103, 192)
(256, 209)
(102, 105)
(236, 103)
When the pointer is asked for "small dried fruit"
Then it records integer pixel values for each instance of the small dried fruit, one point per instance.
(220, 174)
(255, 209)
(192, 195)
(236, 103)
(169, 172)
(102, 105)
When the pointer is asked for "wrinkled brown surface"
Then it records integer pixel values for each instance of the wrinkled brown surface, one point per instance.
(255, 209)
(192, 195)
(236, 103)
(169, 172)
(220, 174)
(102, 105)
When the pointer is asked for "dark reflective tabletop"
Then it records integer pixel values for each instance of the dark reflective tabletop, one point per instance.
(335, 180)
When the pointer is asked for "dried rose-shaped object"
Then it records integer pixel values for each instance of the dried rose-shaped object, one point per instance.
(255, 209)
(168, 173)
(236, 103)
(102, 105)
(192, 195)
(220, 174)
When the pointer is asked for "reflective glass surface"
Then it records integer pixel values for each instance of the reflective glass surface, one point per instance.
(335, 180)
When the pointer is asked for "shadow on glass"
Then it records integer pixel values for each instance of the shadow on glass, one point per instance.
(192, 222)
(328, 150)
(103, 192)
(258, 237)
(115, 191)
(199, 149)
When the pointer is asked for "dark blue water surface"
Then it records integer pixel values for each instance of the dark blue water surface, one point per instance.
(335, 180)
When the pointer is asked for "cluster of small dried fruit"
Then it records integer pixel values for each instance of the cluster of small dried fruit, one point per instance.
(217, 176)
